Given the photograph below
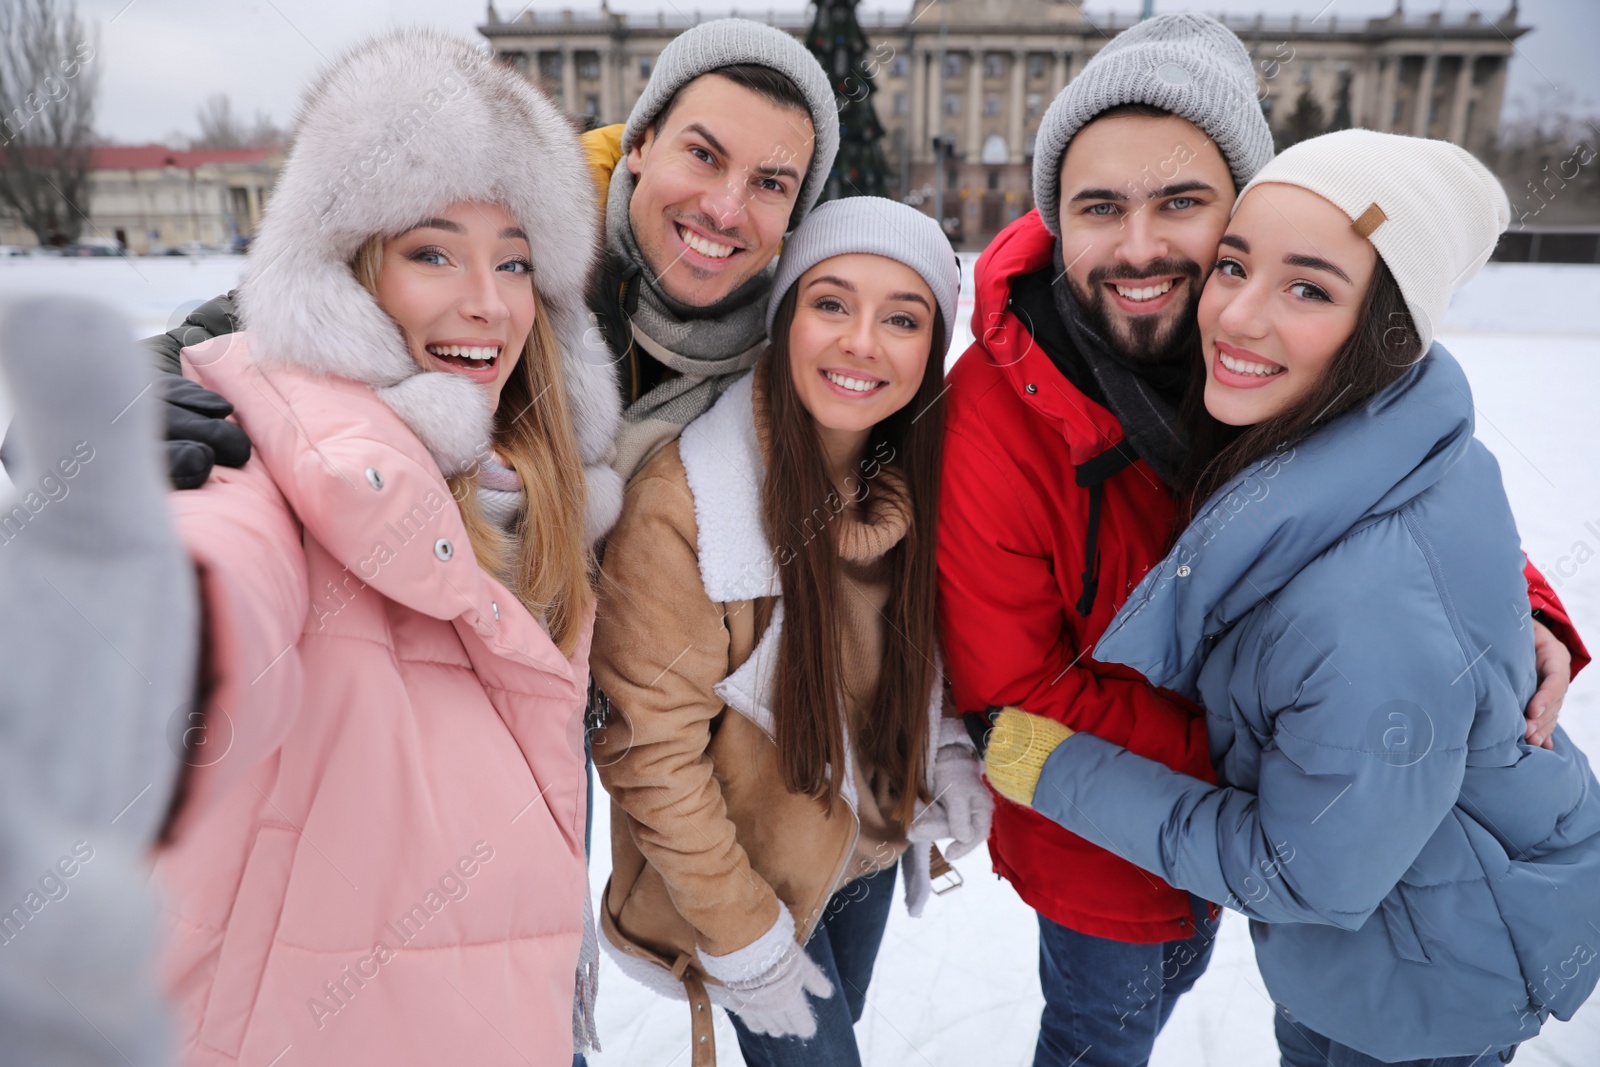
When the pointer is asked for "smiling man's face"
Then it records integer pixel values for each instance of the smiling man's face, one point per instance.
(716, 181)
(1143, 202)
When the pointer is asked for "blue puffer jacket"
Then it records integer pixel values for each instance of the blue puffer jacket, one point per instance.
(1352, 614)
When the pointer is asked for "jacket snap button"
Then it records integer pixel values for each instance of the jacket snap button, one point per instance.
(496, 609)
(374, 479)
(443, 549)
(1183, 571)
(1032, 388)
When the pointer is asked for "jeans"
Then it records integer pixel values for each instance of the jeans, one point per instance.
(1104, 1000)
(845, 945)
(1302, 1047)
(588, 828)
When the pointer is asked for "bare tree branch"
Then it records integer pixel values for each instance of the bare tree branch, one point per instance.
(48, 85)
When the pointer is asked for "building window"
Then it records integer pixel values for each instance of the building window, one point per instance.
(591, 105)
(1027, 145)
(950, 178)
(550, 65)
(1036, 66)
(991, 104)
(954, 64)
(993, 66)
(994, 180)
(1305, 71)
(1034, 101)
(952, 103)
(900, 107)
(588, 65)
(899, 66)
(644, 66)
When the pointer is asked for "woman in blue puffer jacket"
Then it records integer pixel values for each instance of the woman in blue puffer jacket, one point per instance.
(1348, 604)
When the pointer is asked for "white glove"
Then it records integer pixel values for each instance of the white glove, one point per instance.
(962, 805)
(766, 982)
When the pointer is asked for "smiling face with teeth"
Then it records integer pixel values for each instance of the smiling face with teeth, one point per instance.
(1286, 294)
(716, 181)
(858, 346)
(460, 286)
(1143, 200)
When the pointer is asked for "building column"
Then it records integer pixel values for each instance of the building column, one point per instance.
(1362, 73)
(1017, 104)
(1430, 71)
(1457, 133)
(974, 105)
(917, 84)
(609, 67)
(1388, 78)
(569, 80)
(1491, 100)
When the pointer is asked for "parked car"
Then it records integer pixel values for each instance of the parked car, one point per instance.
(7, 251)
(94, 246)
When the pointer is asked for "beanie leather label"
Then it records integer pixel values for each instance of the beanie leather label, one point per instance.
(1370, 220)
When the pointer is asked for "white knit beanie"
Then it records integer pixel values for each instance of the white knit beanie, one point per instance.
(1433, 212)
(726, 43)
(880, 227)
(1191, 65)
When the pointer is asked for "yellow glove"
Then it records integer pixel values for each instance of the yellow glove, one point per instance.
(1018, 746)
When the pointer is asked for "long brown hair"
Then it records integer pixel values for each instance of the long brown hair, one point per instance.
(1378, 351)
(798, 497)
(545, 560)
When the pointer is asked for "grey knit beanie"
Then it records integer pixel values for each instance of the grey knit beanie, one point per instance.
(1190, 65)
(881, 227)
(724, 43)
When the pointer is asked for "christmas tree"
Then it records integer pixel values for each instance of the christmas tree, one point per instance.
(839, 44)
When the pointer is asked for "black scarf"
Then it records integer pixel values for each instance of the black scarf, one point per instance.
(1145, 396)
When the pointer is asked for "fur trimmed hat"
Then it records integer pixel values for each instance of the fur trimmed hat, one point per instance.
(396, 130)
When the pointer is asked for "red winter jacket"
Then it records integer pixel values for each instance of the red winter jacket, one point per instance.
(1023, 451)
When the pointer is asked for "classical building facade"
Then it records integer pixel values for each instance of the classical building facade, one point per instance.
(962, 84)
(149, 196)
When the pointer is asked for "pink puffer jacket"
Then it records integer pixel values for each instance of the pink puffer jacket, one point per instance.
(380, 855)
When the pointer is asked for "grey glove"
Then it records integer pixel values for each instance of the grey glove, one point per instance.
(96, 659)
(766, 982)
(962, 807)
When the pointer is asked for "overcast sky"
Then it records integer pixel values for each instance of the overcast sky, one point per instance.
(160, 58)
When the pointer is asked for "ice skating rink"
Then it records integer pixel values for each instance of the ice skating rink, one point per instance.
(958, 987)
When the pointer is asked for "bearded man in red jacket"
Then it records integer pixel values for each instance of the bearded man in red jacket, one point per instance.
(1061, 458)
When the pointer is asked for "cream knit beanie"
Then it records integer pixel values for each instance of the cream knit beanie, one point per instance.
(1433, 212)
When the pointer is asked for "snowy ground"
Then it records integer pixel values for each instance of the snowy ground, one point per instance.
(959, 986)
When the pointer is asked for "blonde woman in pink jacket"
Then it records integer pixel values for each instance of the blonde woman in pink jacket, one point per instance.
(378, 854)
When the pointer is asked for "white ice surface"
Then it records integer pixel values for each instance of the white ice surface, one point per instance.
(959, 986)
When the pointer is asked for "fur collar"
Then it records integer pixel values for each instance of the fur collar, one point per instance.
(396, 130)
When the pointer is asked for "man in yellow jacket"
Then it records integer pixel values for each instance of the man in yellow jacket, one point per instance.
(725, 152)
